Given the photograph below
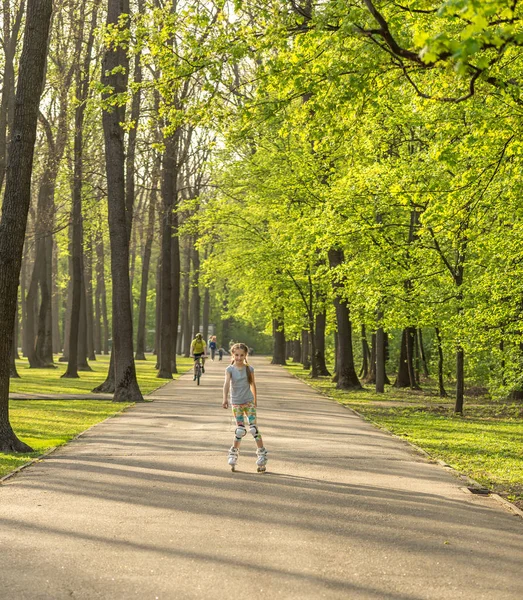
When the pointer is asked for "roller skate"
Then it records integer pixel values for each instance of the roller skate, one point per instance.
(233, 458)
(261, 461)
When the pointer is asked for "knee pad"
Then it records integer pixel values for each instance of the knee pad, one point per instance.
(254, 432)
(240, 432)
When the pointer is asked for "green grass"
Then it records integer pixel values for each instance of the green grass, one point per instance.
(485, 444)
(49, 381)
(45, 424)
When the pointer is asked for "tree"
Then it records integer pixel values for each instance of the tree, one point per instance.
(17, 195)
(114, 78)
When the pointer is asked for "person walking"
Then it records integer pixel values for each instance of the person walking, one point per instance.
(212, 347)
(239, 380)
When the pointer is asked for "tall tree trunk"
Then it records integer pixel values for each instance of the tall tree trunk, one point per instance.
(346, 372)
(146, 261)
(67, 317)
(115, 70)
(296, 351)
(195, 290)
(97, 320)
(88, 282)
(17, 196)
(77, 239)
(365, 352)
(175, 290)
(100, 285)
(31, 309)
(278, 337)
(305, 353)
(157, 320)
(321, 322)
(406, 376)
(168, 170)
(186, 323)
(205, 313)
(10, 40)
(423, 354)
(13, 374)
(460, 354)
(83, 365)
(55, 300)
(441, 385)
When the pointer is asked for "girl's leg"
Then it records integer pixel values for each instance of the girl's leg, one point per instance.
(251, 416)
(237, 411)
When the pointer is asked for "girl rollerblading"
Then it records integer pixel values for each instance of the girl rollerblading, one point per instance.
(239, 380)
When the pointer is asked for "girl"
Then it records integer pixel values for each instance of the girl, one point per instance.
(239, 377)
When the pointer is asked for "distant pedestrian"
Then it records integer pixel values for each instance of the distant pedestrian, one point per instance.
(239, 380)
(220, 353)
(212, 347)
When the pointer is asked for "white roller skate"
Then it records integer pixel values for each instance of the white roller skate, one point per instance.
(233, 458)
(261, 461)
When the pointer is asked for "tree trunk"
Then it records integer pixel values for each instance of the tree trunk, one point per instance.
(186, 323)
(146, 261)
(321, 322)
(442, 391)
(88, 282)
(100, 284)
(157, 320)
(365, 351)
(296, 351)
(67, 318)
(205, 313)
(17, 196)
(305, 354)
(13, 374)
(371, 377)
(115, 68)
(168, 169)
(278, 336)
(77, 240)
(406, 376)
(195, 290)
(83, 365)
(460, 355)
(380, 360)
(55, 300)
(423, 354)
(347, 378)
(175, 289)
(9, 46)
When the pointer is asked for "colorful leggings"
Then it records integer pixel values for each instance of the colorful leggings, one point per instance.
(240, 411)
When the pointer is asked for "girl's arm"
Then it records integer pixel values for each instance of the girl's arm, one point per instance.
(253, 388)
(226, 386)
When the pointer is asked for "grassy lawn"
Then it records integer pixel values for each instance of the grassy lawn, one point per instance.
(48, 381)
(45, 424)
(485, 444)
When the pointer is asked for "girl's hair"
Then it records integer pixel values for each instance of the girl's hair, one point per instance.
(199, 336)
(245, 348)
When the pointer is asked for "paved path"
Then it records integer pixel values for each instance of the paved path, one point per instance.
(144, 506)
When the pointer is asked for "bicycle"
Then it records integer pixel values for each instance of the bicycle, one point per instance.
(197, 370)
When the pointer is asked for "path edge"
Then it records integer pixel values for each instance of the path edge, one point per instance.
(458, 474)
(47, 453)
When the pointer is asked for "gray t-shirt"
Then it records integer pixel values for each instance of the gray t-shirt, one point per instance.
(240, 388)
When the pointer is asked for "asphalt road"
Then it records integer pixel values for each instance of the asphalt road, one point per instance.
(145, 506)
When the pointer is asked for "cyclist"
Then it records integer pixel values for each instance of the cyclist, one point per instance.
(199, 350)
